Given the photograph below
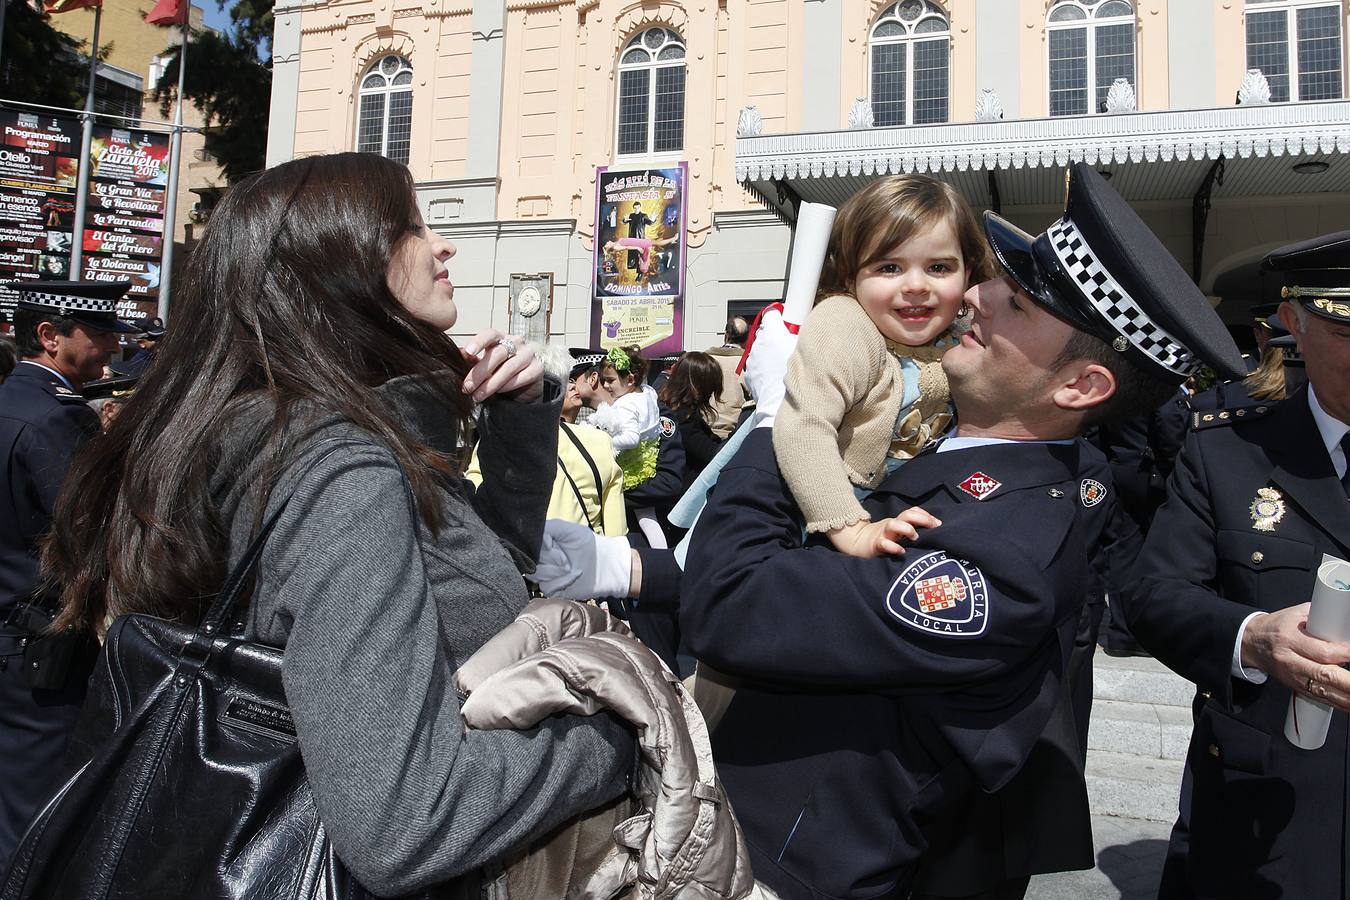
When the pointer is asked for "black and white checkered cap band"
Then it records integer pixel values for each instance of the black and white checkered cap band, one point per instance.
(589, 359)
(1115, 305)
(68, 303)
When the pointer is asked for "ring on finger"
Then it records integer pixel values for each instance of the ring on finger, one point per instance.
(508, 344)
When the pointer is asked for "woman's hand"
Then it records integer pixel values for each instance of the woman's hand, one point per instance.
(503, 364)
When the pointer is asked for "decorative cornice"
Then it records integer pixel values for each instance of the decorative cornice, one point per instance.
(640, 16)
(1231, 132)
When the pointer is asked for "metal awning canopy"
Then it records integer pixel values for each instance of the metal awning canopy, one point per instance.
(1150, 155)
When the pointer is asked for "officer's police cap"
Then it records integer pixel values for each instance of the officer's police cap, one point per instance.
(583, 358)
(1276, 327)
(91, 303)
(1262, 312)
(1104, 272)
(1316, 273)
(1289, 346)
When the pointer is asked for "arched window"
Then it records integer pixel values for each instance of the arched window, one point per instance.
(384, 120)
(909, 45)
(1297, 45)
(651, 94)
(1091, 45)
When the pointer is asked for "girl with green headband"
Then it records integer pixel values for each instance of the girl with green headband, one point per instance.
(632, 418)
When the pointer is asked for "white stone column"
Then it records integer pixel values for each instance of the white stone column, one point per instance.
(1192, 57)
(821, 63)
(285, 82)
(996, 43)
(485, 88)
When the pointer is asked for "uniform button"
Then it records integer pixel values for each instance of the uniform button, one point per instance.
(1206, 694)
(1056, 493)
(1224, 414)
(1257, 556)
(1241, 412)
(1260, 409)
(1214, 750)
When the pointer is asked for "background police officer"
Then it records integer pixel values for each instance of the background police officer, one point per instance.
(1257, 496)
(66, 333)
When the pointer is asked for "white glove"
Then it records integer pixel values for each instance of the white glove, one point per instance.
(577, 564)
(766, 366)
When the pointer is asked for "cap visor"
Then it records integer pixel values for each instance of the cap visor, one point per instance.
(115, 325)
(1012, 249)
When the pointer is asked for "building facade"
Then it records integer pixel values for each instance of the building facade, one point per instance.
(506, 110)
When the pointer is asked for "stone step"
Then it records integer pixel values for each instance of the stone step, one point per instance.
(1133, 787)
(1139, 679)
(1148, 730)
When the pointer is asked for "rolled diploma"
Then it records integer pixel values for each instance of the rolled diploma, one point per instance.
(1329, 619)
(809, 242)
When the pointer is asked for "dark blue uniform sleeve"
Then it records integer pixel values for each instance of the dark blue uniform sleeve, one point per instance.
(1175, 612)
(46, 448)
(759, 605)
(666, 486)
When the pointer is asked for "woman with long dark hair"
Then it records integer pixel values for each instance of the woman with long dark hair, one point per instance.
(689, 393)
(309, 361)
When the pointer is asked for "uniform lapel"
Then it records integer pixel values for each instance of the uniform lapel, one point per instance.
(983, 472)
(1304, 472)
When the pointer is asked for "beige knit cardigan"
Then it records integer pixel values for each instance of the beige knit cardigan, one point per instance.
(842, 398)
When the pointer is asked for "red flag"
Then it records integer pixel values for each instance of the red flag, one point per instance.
(60, 6)
(168, 12)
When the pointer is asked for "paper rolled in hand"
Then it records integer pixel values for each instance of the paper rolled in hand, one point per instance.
(809, 242)
(1329, 619)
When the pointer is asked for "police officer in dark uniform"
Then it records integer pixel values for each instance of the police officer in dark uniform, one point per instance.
(66, 333)
(1258, 495)
(880, 697)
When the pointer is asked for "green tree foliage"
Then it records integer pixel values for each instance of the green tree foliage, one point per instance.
(39, 63)
(229, 77)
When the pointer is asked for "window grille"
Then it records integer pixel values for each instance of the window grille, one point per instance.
(909, 51)
(650, 115)
(1091, 45)
(1297, 46)
(384, 116)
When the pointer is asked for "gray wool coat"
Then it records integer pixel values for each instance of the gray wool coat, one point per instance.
(376, 612)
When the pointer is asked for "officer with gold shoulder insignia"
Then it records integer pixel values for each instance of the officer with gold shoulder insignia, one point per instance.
(1257, 496)
(66, 333)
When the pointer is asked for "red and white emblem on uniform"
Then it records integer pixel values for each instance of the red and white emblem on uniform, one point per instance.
(1091, 492)
(980, 485)
(943, 592)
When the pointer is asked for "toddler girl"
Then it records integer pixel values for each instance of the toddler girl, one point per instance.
(633, 419)
(865, 390)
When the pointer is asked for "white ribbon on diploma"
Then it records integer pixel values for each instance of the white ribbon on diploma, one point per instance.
(1329, 619)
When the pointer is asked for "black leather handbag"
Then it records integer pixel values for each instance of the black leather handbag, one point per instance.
(189, 782)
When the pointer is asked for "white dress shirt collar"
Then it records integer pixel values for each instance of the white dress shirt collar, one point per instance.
(1332, 430)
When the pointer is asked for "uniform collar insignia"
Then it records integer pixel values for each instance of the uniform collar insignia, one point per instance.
(979, 485)
(1267, 509)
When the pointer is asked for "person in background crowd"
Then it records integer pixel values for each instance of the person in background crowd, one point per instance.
(1261, 369)
(688, 397)
(631, 416)
(586, 379)
(1258, 495)
(731, 402)
(318, 382)
(65, 331)
(588, 486)
(152, 333)
(9, 356)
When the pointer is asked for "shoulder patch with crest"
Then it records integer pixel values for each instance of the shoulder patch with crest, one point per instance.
(1091, 492)
(942, 596)
(667, 426)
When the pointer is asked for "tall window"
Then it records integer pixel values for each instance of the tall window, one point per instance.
(651, 93)
(1297, 45)
(909, 64)
(384, 123)
(1091, 45)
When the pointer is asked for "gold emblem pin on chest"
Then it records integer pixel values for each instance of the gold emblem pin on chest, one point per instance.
(1267, 509)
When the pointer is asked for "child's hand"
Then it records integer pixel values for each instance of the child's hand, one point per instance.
(866, 540)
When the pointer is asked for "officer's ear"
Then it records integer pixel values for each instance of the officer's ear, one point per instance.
(1083, 385)
(1289, 318)
(47, 335)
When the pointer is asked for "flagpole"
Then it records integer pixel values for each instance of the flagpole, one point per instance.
(86, 142)
(171, 191)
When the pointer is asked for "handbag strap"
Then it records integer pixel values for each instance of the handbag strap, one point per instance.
(223, 606)
(585, 510)
(595, 472)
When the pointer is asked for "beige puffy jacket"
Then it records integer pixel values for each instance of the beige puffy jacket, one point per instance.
(675, 836)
